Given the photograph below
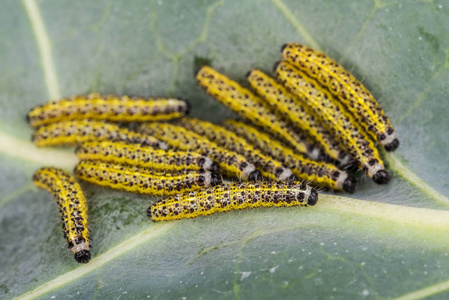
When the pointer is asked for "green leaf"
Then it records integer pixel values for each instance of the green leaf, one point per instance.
(381, 242)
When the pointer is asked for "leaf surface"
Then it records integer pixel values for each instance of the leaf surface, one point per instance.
(381, 242)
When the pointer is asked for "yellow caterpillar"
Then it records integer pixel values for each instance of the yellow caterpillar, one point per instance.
(110, 108)
(316, 173)
(286, 104)
(336, 119)
(346, 88)
(223, 198)
(144, 181)
(269, 167)
(72, 207)
(76, 132)
(144, 156)
(249, 106)
(232, 163)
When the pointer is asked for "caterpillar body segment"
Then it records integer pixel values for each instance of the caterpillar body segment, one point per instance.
(72, 208)
(230, 162)
(342, 84)
(269, 167)
(223, 198)
(70, 133)
(249, 106)
(290, 109)
(111, 108)
(144, 181)
(336, 119)
(143, 156)
(322, 174)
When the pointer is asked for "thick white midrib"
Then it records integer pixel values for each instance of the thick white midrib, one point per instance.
(20, 149)
(406, 216)
(100, 260)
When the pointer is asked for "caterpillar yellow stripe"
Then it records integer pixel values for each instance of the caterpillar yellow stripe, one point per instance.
(290, 109)
(144, 156)
(230, 162)
(143, 181)
(322, 174)
(247, 105)
(110, 108)
(72, 207)
(223, 198)
(69, 133)
(269, 167)
(342, 84)
(336, 118)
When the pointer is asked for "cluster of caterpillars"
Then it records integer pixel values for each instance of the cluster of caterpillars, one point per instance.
(313, 107)
(314, 122)
(112, 155)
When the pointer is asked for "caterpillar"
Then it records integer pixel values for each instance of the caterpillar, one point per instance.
(232, 163)
(346, 88)
(76, 132)
(336, 119)
(145, 157)
(269, 167)
(247, 105)
(144, 181)
(289, 108)
(72, 208)
(320, 173)
(110, 108)
(223, 198)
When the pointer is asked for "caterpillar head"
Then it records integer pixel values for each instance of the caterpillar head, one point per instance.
(392, 146)
(349, 184)
(313, 197)
(83, 256)
(255, 176)
(381, 177)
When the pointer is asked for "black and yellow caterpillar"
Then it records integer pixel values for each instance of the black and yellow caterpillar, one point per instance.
(68, 133)
(145, 156)
(110, 108)
(144, 181)
(343, 85)
(223, 198)
(72, 207)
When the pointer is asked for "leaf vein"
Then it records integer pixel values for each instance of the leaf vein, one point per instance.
(99, 261)
(310, 41)
(411, 177)
(360, 33)
(44, 45)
